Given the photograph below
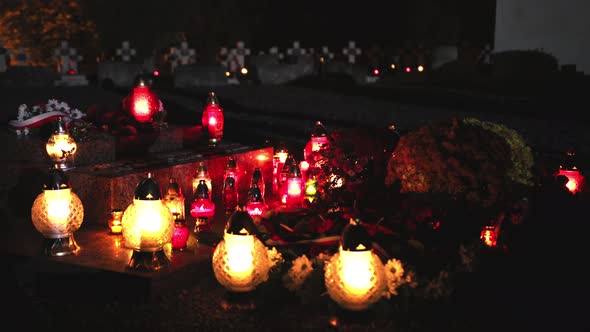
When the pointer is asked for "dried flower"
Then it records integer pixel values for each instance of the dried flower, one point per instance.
(396, 277)
(298, 273)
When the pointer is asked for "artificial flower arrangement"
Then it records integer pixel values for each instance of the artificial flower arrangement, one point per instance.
(35, 116)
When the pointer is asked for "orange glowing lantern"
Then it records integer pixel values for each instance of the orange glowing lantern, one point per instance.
(240, 260)
(355, 276)
(57, 213)
(489, 235)
(148, 225)
(115, 222)
(213, 119)
(142, 103)
(319, 140)
(569, 168)
(202, 208)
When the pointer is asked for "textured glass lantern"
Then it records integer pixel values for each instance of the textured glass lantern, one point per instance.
(319, 140)
(213, 119)
(240, 260)
(181, 233)
(202, 173)
(569, 168)
(57, 213)
(202, 208)
(147, 226)
(61, 147)
(255, 206)
(174, 199)
(355, 276)
(142, 102)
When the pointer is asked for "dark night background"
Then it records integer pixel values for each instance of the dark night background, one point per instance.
(209, 24)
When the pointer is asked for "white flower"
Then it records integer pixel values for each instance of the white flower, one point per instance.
(26, 131)
(64, 107)
(18, 132)
(52, 104)
(274, 256)
(299, 272)
(76, 114)
(37, 109)
(22, 107)
(22, 114)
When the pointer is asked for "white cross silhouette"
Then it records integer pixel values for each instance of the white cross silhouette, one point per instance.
(126, 52)
(296, 50)
(352, 51)
(4, 53)
(275, 51)
(21, 57)
(326, 54)
(67, 58)
(240, 53)
(186, 55)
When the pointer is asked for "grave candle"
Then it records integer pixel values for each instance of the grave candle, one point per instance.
(142, 103)
(202, 208)
(213, 119)
(61, 147)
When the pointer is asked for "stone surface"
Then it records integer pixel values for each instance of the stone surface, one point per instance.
(103, 187)
(283, 73)
(118, 74)
(71, 80)
(199, 75)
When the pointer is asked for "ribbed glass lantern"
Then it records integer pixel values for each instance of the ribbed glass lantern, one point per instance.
(240, 260)
(355, 276)
(147, 226)
(57, 213)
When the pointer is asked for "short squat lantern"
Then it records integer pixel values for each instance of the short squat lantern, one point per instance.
(319, 140)
(569, 168)
(142, 102)
(147, 226)
(57, 213)
(181, 233)
(355, 276)
(213, 119)
(61, 147)
(240, 260)
(294, 188)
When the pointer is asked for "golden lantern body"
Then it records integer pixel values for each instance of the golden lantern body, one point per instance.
(240, 262)
(355, 279)
(57, 214)
(147, 225)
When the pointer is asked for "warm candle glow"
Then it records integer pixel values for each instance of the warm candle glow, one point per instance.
(56, 213)
(282, 154)
(294, 187)
(60, 147)
(147, 225)
(574, 180)
(356, 271)
(141, 107)
(239, 256)
(489, 235)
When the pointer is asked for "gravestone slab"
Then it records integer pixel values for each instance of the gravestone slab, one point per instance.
(200, 75)
(118, 74)
(283, 73)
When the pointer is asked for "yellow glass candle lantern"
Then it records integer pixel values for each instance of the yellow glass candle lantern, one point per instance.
(174, 199)
(115, 222)
(57, 213)
(61, 147)
(355, 276)
(202, 174)
(240, 260)
(147, 226)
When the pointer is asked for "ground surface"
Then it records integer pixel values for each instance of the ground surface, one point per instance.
(524, 293)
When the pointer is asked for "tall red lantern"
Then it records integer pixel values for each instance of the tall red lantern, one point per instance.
(255, 206)
(142, 103)
(293, 189)
(202, 208)
(319, 140)
(213, 119)
(569, 168)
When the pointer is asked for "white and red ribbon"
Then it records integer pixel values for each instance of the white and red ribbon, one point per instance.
(37, 120)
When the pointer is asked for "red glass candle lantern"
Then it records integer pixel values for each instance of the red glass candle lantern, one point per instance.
(258, 180)
(319, 140)
(231, 170)
(174, 199)
(142, 103)
(181, 233)
(202, 174)
(294, 187)
(569, 168)
(202, 208)
(489, 236)
(213, 118)
(230, 194)
(255, 206)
